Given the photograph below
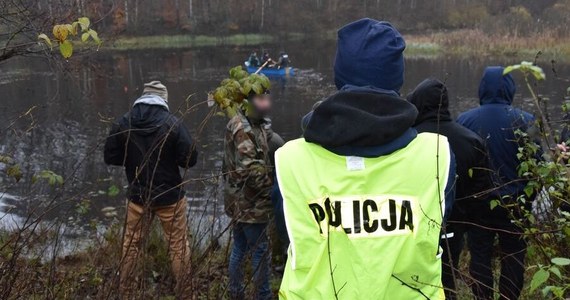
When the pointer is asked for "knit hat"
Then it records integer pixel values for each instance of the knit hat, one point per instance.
(370, 53)
(156, 88)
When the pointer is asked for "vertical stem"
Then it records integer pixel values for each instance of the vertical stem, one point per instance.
(546, 130)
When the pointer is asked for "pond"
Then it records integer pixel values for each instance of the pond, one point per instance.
(70, 105)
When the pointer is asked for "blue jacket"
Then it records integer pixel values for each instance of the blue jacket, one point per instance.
(496, 121)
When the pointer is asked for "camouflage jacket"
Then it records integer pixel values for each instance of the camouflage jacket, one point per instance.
(247, 171)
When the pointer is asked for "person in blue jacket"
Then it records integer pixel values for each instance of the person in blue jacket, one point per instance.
(496, 122)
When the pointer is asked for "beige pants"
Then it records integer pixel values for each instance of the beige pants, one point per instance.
(175, 226)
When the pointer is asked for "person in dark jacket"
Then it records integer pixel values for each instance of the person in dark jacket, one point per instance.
(253, 60)
(473, 177)
(283, 61)
(496, 121)
(151, 144)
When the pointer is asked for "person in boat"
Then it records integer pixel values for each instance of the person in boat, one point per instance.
(266, 59)
(283, 61)
(253, 60)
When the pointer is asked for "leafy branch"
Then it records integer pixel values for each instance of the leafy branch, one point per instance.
(231, 95)
(63, 34)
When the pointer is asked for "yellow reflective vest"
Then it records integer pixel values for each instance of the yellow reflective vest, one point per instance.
(364, 228)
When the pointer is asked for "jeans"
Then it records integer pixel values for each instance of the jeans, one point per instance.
(249, 238)
(512, 254)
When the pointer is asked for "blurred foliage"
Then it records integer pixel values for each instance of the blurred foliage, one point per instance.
(231, 95)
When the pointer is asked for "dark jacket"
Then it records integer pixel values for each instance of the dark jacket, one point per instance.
(473, 177)
(496, 121)
(151, 144)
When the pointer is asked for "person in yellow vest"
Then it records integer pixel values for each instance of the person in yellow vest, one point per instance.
(364, 195)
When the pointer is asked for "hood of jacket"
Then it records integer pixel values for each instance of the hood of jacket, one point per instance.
(370, 53)
(149, 112)
(360, 118)
(496, 88)
(431, 99)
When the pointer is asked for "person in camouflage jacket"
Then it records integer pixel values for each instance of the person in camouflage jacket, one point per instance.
(248, 185)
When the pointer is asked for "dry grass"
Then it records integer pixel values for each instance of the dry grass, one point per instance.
(474, 42)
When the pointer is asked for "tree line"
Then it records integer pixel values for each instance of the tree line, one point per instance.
(223, 17)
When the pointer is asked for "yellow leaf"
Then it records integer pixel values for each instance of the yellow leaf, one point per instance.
(45, 38)
(66, 49)
(60, 32)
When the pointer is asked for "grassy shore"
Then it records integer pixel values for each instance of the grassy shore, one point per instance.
(464, 43)
(475, 43)
(185, 41)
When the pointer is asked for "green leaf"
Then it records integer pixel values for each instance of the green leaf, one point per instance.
(84, 22)
(46, 39)
(85, 36)
(555, 271)
(509, 69)
(538, 279)
(66, 49)
(470, 172)
(494, 203)
(94, 36)
(560, 261)
(257, 88)
(113, 191)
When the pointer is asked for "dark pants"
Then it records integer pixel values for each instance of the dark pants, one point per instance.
(452, 247)
(250, 238)
(512, 254)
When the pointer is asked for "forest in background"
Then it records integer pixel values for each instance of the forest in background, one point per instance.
(224, 17)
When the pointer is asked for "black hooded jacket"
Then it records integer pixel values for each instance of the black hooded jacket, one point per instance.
(151, 144)
(473, 177)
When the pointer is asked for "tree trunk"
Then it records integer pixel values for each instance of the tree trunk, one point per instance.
(262, 14)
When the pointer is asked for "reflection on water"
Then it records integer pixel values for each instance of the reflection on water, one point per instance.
(72, 108)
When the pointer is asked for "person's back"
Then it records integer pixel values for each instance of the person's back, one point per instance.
(253, 60)
(283, 61)
(496, 121)
(473, 183)
(152, 144)
(431, 99)
(360, 226)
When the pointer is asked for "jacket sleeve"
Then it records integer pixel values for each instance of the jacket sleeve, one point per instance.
(186, 153)
(250, 169)
(450, 187)
(114, 152)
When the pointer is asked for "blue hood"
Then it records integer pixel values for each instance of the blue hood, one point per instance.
(496, 88)
(370, 53)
